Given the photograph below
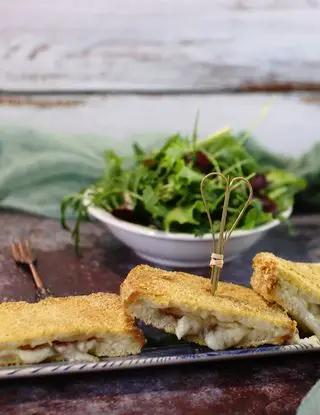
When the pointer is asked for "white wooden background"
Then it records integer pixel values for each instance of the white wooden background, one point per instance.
(124, 68)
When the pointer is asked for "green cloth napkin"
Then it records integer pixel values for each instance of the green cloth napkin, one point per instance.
(37, 170)
(310, 404)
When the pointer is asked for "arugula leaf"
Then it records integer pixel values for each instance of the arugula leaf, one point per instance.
(138, 152)
(283, 185)
(281, 178)
(152, 203)
(76, 203)
(256, 216)
(180, 215)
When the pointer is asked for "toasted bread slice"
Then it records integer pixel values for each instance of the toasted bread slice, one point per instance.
(67, 328)
(293, 285)
(182, 304)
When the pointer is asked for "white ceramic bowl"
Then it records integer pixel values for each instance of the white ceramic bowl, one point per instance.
(177, 249)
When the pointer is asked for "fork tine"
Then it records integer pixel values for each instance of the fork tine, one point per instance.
(15, 252)
(23, 251)
(29, 250)
(28, 247)
(18, 247)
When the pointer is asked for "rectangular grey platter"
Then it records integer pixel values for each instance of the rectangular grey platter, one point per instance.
(157, 356)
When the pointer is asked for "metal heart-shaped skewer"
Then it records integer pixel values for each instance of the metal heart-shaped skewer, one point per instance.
(217, 256)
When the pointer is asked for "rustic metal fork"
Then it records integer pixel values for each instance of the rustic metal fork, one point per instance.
(23, 254)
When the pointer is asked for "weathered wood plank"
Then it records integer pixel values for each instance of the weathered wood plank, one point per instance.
(291, 126)
(159, 46)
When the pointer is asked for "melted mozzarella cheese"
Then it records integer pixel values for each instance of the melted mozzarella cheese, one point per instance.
(221, 338)
(302, 310)
(77, 351)
(37, 355)
(218, 338)
(187, 325)
(73, 351)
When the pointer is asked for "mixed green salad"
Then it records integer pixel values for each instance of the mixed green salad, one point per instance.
(161, 188)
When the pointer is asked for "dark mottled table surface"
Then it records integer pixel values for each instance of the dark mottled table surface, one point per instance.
(261, 386)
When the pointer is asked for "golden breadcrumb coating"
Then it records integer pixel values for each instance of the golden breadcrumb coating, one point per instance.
(64, 319)
(166, 290)
(269, 269)
(293, 285)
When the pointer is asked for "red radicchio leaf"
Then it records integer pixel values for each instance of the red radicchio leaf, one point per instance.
(268, 205)
(202, 162)
(258, 182)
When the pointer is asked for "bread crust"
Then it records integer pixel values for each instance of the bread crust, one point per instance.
(65, 319)
(264, 279)
(269, 270)
(180, 290)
